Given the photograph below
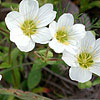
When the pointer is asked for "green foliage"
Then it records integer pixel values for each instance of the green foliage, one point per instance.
(14, 71)
(8, 77)
(4, 65)
(4, 97)
(56, 69)
(42, 2)
(43, 53)
(3, 25)
(96, 81)
(86, 5)
(96, 24)
(35, 74)
(34, 78)
(16, 74)
(93, 32)
(22, 95)
(9, 5)
(85, 85)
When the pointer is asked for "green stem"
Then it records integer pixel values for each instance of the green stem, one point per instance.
(3, 40)
(9, 61)
(9, 53)
(38, 55)
(54, 59)
(47, 51)
(4, 31)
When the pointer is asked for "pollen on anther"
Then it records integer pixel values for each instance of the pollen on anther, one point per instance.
(29, 27)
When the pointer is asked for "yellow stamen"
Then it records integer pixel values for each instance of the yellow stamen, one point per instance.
(29, 27)
(85, 60)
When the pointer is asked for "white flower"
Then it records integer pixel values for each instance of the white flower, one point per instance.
(27, 26)
(0, 77)
(86, 60)
(65, 34)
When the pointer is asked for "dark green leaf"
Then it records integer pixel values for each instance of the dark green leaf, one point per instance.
(96, 81)
(5, 65)
(34, 76)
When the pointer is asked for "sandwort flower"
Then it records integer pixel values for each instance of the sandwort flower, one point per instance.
(27, 26)
(65, 34)
(0, 77)
(86, 60)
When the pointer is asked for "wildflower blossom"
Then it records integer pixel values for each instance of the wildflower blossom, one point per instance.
(0, 77)
(65, 34)
(86, 60)
(27, 26)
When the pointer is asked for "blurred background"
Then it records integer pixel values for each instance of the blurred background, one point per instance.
(27, 72)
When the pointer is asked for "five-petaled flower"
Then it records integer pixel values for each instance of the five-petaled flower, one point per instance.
(86, 60)
(80, 49)
(27, 26)
(65, 35)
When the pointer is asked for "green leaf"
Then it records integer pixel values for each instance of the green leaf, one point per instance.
(14, 54)
(24, 85)
(56, 62)
(9, 5)
(13, 77)
(98, 23)
(22, 95)
(85, 85)
(96, 81)
(5, 65)
(34, 77)
(11, 97)
(90, 5)
(84, 2)
(56, 69)
(3, 25)
(94, 33)
(43, 53)
(35, 74)
(15, 72)
(8, 77)
(16, 77)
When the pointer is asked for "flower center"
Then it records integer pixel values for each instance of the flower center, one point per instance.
(29, 27)
(62, 36)
(85, 60)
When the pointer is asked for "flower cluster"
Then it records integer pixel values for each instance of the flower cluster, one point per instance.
(80, 49)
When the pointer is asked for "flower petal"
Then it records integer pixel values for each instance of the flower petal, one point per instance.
(42, 36)
(76, 32)
(69, 59)
(15, 34)
(23, 42)
(88, 42)
(95, 68)
(45, 16)
(53, 28)
(72, 49)
(57, 47)
(0, 77)
(96, 51)
(13, 20)
(30, 46)
(66, 20)
(80, 74)
(29, 8)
